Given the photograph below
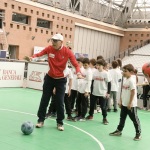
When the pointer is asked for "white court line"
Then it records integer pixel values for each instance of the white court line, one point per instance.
(94, 138)
(12, 90)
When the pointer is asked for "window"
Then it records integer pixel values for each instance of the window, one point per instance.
(135, 40)
(75, 4)
(142, 35)
(147, 35)
(48, 15)
(12, 6)
(24, 28)
(43, 14)
(18, 27)
(20, 18)
(43, 23)
(19, 8)
(130, 34)
(11, 25)
(130, 40)
(5, 4)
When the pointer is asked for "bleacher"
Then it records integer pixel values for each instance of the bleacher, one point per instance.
(138, 57)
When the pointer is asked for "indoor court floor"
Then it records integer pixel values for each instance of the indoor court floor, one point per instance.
(18, 105)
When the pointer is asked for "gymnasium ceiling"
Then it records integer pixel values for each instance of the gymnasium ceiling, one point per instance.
(122, 13)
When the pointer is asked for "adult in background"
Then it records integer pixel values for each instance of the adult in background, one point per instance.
(58, 56)
(146, 71)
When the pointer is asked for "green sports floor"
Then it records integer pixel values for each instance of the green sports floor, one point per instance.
(18, 105)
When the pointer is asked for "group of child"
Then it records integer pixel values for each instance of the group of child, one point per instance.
(98, 86)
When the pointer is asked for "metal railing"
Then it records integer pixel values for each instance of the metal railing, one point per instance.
(128, 51)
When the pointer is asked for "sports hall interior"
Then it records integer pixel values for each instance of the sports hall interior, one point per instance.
(110, 28)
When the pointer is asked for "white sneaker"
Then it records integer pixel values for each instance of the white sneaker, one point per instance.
(60, 127)
(39, 124)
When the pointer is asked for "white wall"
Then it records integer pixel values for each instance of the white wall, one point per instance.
(94, 43)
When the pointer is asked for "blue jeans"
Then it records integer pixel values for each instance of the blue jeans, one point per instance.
(48, 86)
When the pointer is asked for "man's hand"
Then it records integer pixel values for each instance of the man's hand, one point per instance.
(79, 76)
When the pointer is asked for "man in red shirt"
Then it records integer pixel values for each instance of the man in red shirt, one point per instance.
(58, 56)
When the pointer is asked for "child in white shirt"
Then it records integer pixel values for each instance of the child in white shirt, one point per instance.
(128, 103)
(101, 90)
(84, 90)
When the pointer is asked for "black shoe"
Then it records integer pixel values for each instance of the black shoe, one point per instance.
(108, 110)
(47, 115)
(70, 118)
(116, 133)
(105, 122)
(137, 137)
(115, 110)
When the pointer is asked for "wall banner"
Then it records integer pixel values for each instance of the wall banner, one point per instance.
(11, 74)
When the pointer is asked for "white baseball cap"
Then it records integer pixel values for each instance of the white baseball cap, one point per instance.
(58, 37)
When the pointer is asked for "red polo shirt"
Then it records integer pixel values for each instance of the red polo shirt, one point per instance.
(57, 60)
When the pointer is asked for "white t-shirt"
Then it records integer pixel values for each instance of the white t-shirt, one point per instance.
(93, 70)
(100, 85)
(75, 80)
(85, 84)
(69, 76)
(115, 77)
(128, 85)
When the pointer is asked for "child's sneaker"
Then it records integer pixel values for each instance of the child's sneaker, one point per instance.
(60, 127)
(116, 133)
(39, 124)
(89, 117)
(47, 115)
(137, 137)
(108, 110)
(70, 118)
(105, 122)
(81, 119)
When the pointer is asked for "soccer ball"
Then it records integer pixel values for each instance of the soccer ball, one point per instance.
(27, 127)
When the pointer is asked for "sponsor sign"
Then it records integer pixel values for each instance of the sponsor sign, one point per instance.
(35, 75)
(11, 74)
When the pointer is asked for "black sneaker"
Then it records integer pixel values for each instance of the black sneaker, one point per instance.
(70, 118)
(108, 110)
(116, 133)
(105, 122)
(47, 115)
(137, 137)
(89, 117)
(115, 110)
